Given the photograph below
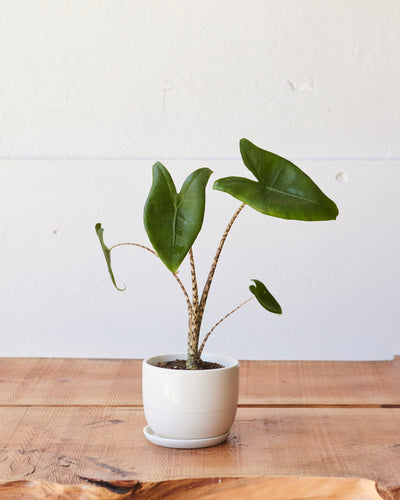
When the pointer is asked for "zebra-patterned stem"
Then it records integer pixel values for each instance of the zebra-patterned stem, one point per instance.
(192, 356)
(194, 323)
(215, 261)
(189, 304)
(135, 245)
(197, 311)
(219, 322)
(195, 290)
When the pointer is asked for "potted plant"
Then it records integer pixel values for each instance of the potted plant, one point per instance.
(190, 399)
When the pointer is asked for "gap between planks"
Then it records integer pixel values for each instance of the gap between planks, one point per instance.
(311, 406)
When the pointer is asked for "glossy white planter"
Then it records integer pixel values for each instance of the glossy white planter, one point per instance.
(190, 404)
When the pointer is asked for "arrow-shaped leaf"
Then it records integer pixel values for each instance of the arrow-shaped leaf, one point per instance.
(282, 189)
(107, 254)
(264, 297)
(173, 220)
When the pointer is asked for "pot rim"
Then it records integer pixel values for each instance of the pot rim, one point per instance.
(228, 362)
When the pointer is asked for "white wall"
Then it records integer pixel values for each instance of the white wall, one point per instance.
(92, 92)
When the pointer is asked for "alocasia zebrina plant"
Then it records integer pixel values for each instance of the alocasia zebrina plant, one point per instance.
(173, 220)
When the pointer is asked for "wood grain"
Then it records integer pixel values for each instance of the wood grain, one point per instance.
(72, 428)
(287, 488)
(320, 383)
(89, 382)
(57, 381)
(67, 445)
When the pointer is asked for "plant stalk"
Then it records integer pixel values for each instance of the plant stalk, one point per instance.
(188, 303)
(193, 357)
(197, 310)
(219, 322)
(210, 277)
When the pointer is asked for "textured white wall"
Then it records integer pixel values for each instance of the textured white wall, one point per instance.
(92, 92)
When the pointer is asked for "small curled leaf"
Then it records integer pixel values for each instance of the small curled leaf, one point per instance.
(264, 297)
(107, 254)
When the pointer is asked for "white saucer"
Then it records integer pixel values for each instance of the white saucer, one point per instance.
(182, 443)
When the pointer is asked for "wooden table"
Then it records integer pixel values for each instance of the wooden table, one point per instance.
(72, 428)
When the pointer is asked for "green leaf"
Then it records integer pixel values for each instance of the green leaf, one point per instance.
(264, 297)
(173, 220)
(282, 189)
(107, 254)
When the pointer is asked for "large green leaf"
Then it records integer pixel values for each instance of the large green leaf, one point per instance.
(264, 297)
(281, 190)
(107, 254)
(173, 220)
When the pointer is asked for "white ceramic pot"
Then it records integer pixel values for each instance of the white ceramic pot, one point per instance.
(190, 404)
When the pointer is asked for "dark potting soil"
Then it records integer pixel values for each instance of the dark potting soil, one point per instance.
(180, 364)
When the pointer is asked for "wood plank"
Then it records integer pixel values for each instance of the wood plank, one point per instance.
(288, 488)
(58, 381)
(320, 382)
(27, 381)
(71, 445)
